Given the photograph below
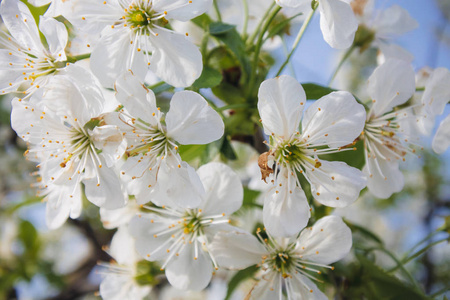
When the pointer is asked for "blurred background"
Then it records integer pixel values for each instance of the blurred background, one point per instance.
(36, 263)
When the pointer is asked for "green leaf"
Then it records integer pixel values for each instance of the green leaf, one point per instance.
(202, 21)
(250, 197)
(216, 28)
(367, 233)
(353, 158)
(282, 26)
(228, 93)
(238, 278)
(380, 285)
(234, 42)
(227, 150)
(190, 152)
(315, 91)
(208, 79)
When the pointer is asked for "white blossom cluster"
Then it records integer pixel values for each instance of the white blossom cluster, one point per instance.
(121, 151)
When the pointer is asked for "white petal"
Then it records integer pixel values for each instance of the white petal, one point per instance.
(383, 177)
(291, 3)
(113, 218)
(122, 247)
(335, 119)
(139, 101)
(190, 120)
(92, 16)
(182, 10)
(145, 232)
(441, 140)
(185, 272)
(122, 287)
(25, 120)
(437, 92)
(180, 182)
(286, 209)
(106, 192)
(109, 139)
(75, 98)
(38, 3)
(335, 183)
(391, 84)
(237, 250)
(61, 200)
(393, 21)
(305, 289)
(394, 51)
(114, 55)
(56, 35)
(21, 24)
(175, 59)
(224, 192)
(328, 241)
(338, 23)
(269, 287)
(280, 105)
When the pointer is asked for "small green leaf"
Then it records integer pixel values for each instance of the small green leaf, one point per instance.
(250, 197)
(234, 42)
(367, 233)
(202, 21)
(315, 91)
(381, 285)
(190, 152)
(227, 150)
(208, 79)
(238, 278)
(216, 28)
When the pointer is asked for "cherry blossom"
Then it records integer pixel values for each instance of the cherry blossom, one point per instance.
(180, 237)
(388, 132)
(134, 36)
(335, 120)
(154, 169)
(289, 265)
(71, 144)
(25, 61)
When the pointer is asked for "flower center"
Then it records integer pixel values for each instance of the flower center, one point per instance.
(138, 17)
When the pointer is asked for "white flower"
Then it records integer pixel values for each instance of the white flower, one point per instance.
(180, 237)
(286, 264)
(154, 168)
(337, 20)
(388, 132)
(335, 120)
(119, 282)
(25, 61)
(134, 37)
(384, 25)
(66, 136)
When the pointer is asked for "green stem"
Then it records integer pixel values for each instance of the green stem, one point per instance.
(286, 51)
(216, 8)
(392, 256)
(73, 59)
(244, 28)
(447, 288)
(261, 22)
(297, 39)
(418, 253)
(341, 63)
(258, 50)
